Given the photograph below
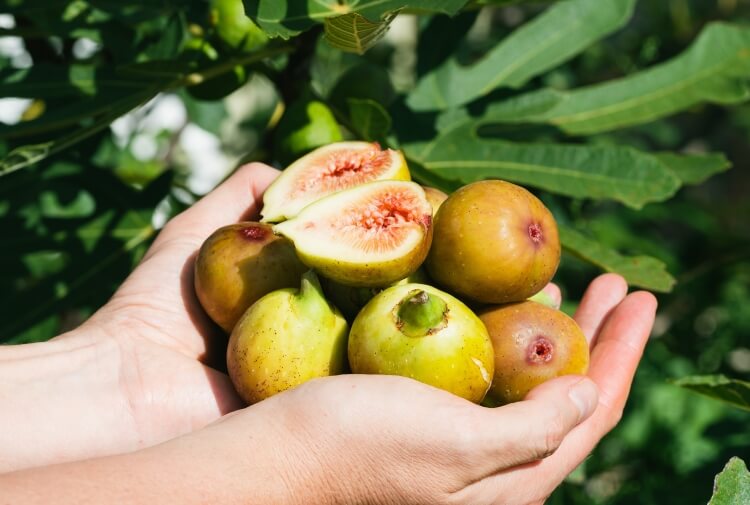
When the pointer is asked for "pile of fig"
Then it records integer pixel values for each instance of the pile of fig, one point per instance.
(355, 268)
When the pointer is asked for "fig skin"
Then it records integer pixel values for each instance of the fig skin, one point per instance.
(281, 201)
(435, 197)
(533, 343)
(494, 242)
(316, 237)
(238, 264)
(455, 355)
(286, 338)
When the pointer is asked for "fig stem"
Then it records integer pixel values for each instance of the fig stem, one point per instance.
(310, 298)
(421, 314)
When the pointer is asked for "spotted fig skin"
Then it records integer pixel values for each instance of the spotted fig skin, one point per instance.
(284, 339)
(493, 242)
(457, 356)
(533, 343)
(238, 264)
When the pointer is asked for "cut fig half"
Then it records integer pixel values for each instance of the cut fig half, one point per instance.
(325, 171)
(368, 236)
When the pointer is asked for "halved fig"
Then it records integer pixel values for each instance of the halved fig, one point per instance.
(329, 169)
(371, 235)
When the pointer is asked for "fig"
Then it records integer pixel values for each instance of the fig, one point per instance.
(417, 331)
(238, 264)
(368, 236)
(350, 299)
(326, 170)
(435, 197)
(286, 338)
(533, 343)
(233, 27)
(494, 242)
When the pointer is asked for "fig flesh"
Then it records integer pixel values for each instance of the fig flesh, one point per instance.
(533, 343)
(284, 339)
(326, 170)
(494, 242)
(417, 331)
(369, 236)
(240, 263)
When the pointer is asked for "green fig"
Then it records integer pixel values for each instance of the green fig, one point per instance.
(237, 265)
(417, 331)
(284, 339)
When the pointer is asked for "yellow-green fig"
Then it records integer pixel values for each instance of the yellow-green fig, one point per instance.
(326, 170)
(284, 339)
(370, 236)
(418, 331)
(494, 242)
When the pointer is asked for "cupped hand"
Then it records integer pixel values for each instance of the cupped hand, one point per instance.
(391, 440)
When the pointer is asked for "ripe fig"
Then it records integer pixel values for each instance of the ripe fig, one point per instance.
(435, 197)
(371, 235)
(351, 299)
(326, 170)
(240, 263)
(284, 339)
(494, 243)
(417, 331)
(533, 343)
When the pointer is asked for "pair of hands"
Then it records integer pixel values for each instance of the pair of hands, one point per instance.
(351, 439)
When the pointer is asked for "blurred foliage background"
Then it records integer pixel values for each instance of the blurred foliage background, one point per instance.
(148, 140)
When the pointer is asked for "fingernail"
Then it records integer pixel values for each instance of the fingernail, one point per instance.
(585, 396)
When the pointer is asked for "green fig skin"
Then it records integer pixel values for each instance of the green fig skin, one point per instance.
(238, 264)
(435, 197)
(493, 242)
(284, 339)
(533, 343)
(455, 355)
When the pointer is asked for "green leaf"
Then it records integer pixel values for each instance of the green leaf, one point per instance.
(732, 485)
(696, 168)
(288, 18)
(554, 37)
(641, 271)
(716, 69)
(719, 387)
(369, 119)
(354, 33)
(616, 173)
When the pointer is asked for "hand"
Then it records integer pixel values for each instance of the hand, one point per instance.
(391, 440)
(138, 371)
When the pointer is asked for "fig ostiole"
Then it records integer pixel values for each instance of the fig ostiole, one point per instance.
(533, 343)
(326, 170)
(238, 264)
(494, 242)
(284, 339)
(418, 331)
(369, 236)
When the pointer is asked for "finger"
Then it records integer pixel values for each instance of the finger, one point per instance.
(239, 197)
(533, 429)
(553, 291)
(602, 295)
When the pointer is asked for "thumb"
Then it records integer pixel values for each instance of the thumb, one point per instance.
(533, 429)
